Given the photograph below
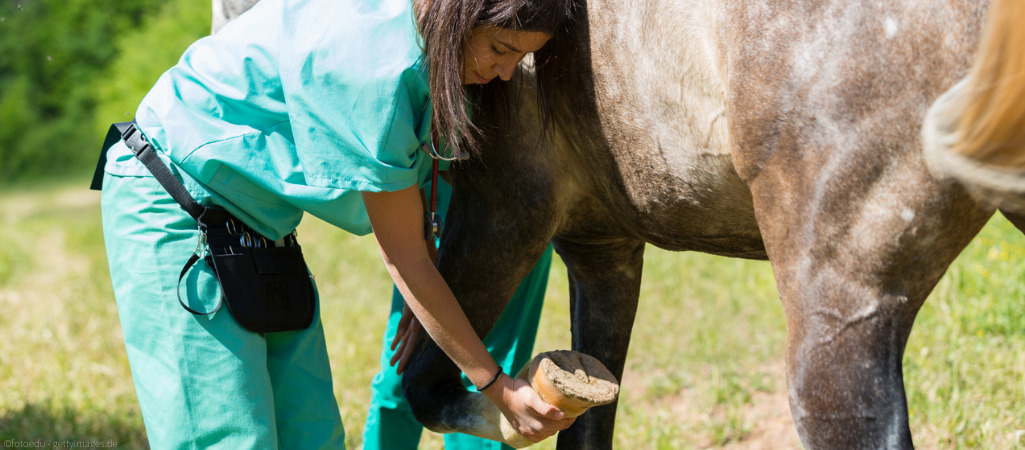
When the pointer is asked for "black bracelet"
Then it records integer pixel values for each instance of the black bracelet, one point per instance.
(493, 380)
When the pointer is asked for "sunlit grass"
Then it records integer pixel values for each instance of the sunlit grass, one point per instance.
(707, 350)
(62, 365)
(965, 362)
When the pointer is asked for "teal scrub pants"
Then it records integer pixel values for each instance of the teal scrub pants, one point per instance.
(204, 381)
(390, 423)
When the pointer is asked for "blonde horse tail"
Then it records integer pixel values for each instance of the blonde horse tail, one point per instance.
(991, 128)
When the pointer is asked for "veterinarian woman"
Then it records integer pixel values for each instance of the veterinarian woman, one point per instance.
(320, 106)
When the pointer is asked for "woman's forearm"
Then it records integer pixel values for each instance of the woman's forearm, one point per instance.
(398, 226)
(439, 313)
(397, 220)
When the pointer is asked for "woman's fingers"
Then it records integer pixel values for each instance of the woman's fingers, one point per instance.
(405, 351)
(531, 416)
(545, 409)
(402, 328)
(395, 357)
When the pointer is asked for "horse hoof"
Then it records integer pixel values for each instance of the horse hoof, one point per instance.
(572, 381)
(569, 380)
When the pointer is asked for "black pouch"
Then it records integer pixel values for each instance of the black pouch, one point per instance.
(267, 288)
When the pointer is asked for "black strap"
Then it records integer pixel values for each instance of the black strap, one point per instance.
(137, 144)
(192, 260)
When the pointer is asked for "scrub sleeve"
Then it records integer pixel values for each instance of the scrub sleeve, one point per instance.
(390, 422)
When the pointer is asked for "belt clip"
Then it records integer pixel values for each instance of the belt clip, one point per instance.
(435, 225)
(432, 227)
(201, 248)
(128, 135)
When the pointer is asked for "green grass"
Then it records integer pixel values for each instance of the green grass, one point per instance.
(704, 368)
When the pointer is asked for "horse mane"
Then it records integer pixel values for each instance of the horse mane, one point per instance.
(992, 125)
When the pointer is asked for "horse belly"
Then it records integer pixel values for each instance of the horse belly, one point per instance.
(661, 102)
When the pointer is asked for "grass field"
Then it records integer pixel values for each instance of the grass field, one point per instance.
(704, 368)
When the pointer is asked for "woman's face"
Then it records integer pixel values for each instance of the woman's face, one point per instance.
(494, 52)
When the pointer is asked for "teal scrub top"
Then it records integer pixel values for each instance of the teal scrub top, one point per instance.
(297, 105)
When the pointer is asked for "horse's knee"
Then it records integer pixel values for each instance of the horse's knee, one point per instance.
(418, 397)
(845, 377)
(430, 380)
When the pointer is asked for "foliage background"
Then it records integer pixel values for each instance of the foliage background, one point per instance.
(69, 68)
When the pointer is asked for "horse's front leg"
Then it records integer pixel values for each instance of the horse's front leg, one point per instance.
(855, 254)
(605, 280)
(490, 243)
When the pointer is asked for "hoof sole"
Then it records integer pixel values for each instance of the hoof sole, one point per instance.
(572, 381)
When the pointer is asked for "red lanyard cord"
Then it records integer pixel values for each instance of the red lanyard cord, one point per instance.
(434, 226)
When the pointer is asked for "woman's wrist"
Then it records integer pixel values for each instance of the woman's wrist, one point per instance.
(496, 392)
(491, 382)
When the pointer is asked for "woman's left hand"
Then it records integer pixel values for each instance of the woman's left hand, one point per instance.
(406, 335)
(526, 412)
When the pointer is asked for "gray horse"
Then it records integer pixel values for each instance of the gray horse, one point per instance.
(753, 129)
(226, 10)
(762, 129)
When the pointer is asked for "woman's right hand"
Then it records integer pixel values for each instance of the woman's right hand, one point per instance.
(532, 417)
(406, 335)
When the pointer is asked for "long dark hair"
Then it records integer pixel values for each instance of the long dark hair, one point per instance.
(446, 25)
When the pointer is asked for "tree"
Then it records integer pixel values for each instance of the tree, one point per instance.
(57, 71)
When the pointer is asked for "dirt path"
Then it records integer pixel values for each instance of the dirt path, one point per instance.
(772, 425)
(766, 418)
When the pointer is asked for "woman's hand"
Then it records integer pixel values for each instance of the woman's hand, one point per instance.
(406, 335)
(526, 412)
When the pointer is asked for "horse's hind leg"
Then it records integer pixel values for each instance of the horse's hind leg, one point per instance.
(854, 260)
(605, 281)
(1016, 219)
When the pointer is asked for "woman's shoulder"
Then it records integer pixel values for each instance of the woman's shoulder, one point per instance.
(357, 47)
(376, 30)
